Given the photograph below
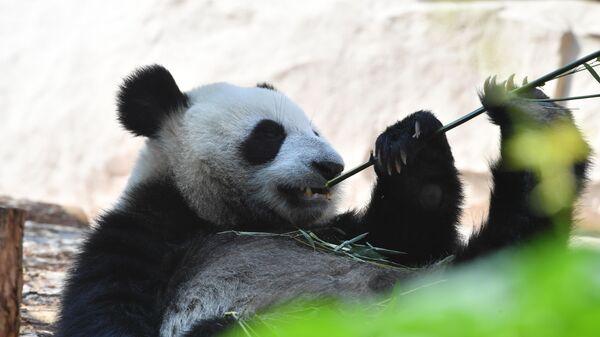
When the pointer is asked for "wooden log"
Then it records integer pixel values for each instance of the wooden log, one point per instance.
(11, 271)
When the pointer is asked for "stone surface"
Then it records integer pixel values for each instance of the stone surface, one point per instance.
(355, 66)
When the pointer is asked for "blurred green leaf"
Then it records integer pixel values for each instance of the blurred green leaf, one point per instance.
(550, 152)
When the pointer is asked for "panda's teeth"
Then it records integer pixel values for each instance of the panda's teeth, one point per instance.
(308, 192)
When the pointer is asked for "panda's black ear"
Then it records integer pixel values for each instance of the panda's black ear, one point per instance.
(146, 98)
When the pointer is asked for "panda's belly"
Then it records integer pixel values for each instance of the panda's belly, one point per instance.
(246, 274)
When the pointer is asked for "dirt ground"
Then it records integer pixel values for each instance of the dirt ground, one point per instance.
(48, 252)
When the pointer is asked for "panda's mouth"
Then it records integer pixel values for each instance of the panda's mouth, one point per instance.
(307, 194)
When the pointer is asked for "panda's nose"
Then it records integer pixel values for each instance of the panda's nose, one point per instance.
(328, 169)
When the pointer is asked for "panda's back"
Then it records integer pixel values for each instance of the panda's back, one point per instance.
(243, 274)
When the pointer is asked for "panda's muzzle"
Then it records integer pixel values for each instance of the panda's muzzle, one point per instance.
(311, 192)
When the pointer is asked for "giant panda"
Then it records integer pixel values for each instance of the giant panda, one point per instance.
(221, 158)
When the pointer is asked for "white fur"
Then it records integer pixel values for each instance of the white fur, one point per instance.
(200, 147)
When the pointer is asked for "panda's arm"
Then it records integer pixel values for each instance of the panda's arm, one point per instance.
(115, 287)
(513, 218)
(415, 204)
(112, 288)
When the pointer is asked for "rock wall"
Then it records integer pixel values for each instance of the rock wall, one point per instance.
(355, 66)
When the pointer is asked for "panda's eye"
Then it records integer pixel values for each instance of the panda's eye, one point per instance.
(264, 142)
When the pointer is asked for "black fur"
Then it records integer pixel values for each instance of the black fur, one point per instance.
(114, 288)
(266, 85)
(416, 211)
(264, 142)
(146, 98)
(512, 218)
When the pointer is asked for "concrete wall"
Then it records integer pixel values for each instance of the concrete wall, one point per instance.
(355, 67)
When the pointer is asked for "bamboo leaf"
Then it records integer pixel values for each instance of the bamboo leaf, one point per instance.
(366, 253)
(592, 71)
(385, 251)
(308, 238)
(351, 241)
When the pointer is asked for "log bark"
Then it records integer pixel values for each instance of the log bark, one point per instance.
(11, 271)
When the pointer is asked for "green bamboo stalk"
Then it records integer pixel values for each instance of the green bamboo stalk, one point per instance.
(537, 83)
(350, 173)
(593, 64)
(574, 98)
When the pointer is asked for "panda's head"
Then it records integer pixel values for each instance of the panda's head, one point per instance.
(236, 154)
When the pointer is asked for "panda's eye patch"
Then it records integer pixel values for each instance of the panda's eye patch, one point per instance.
(263, 143)
(268, 129)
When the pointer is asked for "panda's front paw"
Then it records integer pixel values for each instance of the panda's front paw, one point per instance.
(498, 99)
(505, 107)
(400, 146)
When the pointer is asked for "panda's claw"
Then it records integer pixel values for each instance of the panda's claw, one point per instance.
(403, 156)
(493, 81)
(398, 166)
(417, 130)
(510, 82)
(389, 169)
(525, 82)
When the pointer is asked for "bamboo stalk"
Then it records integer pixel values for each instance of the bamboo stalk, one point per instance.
(536, 83)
